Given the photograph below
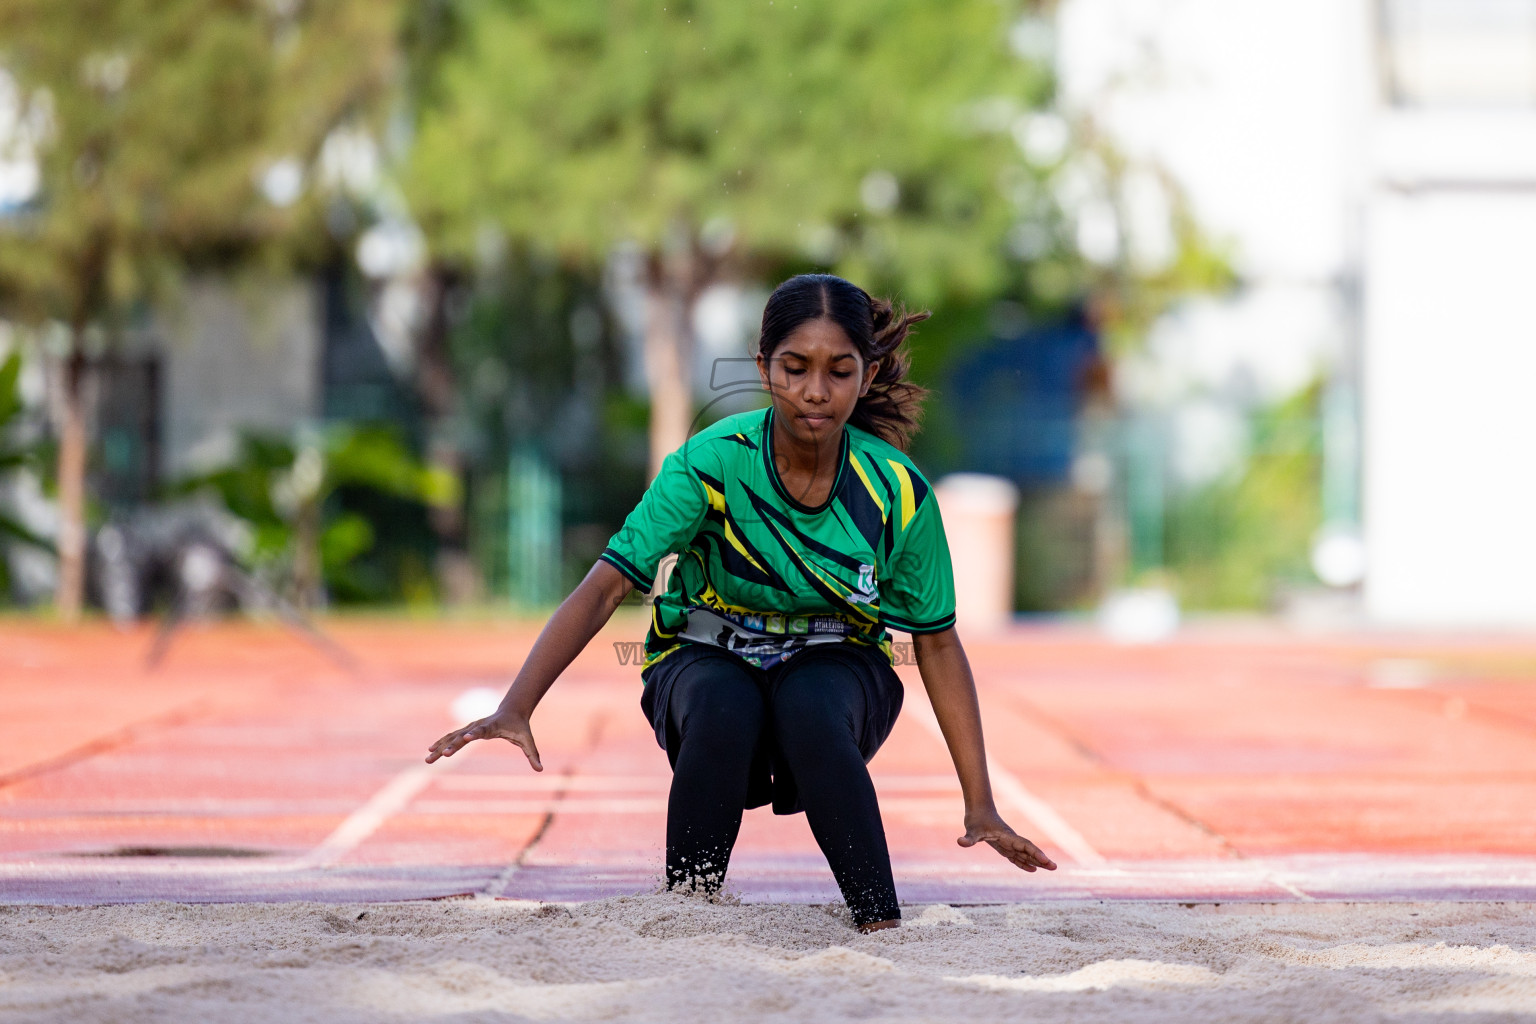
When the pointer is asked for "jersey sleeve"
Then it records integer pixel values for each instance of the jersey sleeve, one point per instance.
(918, 592)
(667, 518)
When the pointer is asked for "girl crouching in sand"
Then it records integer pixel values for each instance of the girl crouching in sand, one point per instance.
(802, 532)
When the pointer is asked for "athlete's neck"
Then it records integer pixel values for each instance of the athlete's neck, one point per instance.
(807, 466)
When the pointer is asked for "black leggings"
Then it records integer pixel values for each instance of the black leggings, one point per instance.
(812, 715)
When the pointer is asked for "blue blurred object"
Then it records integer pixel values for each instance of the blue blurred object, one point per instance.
(1021, 396)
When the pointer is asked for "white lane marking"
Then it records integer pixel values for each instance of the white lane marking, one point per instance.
(537, 806)
(945, 806)
(551, 781)
(383, 805)
(498, 885)
(475, 702)
(1276, 880)
(1014, 793)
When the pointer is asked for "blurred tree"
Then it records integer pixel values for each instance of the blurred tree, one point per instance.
(868, 136)
(168, 134)
(293, 498)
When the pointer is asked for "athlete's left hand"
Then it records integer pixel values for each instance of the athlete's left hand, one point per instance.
(990, 828)
(504, 724)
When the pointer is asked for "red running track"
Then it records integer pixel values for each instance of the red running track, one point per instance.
(1225, 765)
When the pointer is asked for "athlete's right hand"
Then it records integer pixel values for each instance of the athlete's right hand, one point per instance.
(503, 724)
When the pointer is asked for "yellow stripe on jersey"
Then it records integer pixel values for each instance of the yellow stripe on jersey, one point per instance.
(717, 502)
(858, 467)
(907, 502)
(716, 499)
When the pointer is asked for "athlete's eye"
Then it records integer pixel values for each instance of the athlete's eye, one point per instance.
(844, 375)
(793, 371)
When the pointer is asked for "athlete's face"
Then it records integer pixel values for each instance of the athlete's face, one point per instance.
(816, 376)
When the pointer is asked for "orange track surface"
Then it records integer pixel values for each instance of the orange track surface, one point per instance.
(1223, 765)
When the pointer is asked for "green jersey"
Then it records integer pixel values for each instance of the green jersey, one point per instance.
(763, 575)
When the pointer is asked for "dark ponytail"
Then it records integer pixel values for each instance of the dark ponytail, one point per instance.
(893, 408)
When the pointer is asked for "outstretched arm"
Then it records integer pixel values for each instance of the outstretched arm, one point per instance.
(570, 629)
(952, 691)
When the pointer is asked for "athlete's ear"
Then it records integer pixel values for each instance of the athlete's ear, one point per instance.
(762, 371)
(869, 377)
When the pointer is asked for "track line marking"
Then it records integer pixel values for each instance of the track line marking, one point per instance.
(498, 885)
(531, 783)
(1276, 880)
(1013, 792)
(541, 806)
(383, 805)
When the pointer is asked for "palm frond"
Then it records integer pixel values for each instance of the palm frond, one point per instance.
(19, 531)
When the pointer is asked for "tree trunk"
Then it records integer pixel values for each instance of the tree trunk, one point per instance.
(69, 598)
(674, 279)
(74, 429)
(307, 571)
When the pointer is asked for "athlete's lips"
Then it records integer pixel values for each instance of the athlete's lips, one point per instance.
(815, 419)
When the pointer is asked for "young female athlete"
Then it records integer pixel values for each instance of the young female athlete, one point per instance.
(802, 532)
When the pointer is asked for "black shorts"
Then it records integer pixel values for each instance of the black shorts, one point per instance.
(770, 781)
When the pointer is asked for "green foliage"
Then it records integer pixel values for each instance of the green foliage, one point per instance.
(273, 482)
(246, 487)
(13, 456)
(153, 121)
(580, 123)
(10, 408)
(871, 137)
(375, 459)
(1230, 543)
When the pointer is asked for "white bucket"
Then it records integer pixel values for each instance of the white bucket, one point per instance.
(978, 515)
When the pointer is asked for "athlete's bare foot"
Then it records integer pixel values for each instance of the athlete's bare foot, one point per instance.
(875, 926)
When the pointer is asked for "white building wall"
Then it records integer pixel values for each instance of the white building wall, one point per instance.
(1449, 266)
(1450, 413)
(1273, 117)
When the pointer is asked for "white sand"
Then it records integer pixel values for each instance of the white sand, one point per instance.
(670, 959)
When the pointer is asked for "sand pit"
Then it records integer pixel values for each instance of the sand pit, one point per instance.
(670, 959)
